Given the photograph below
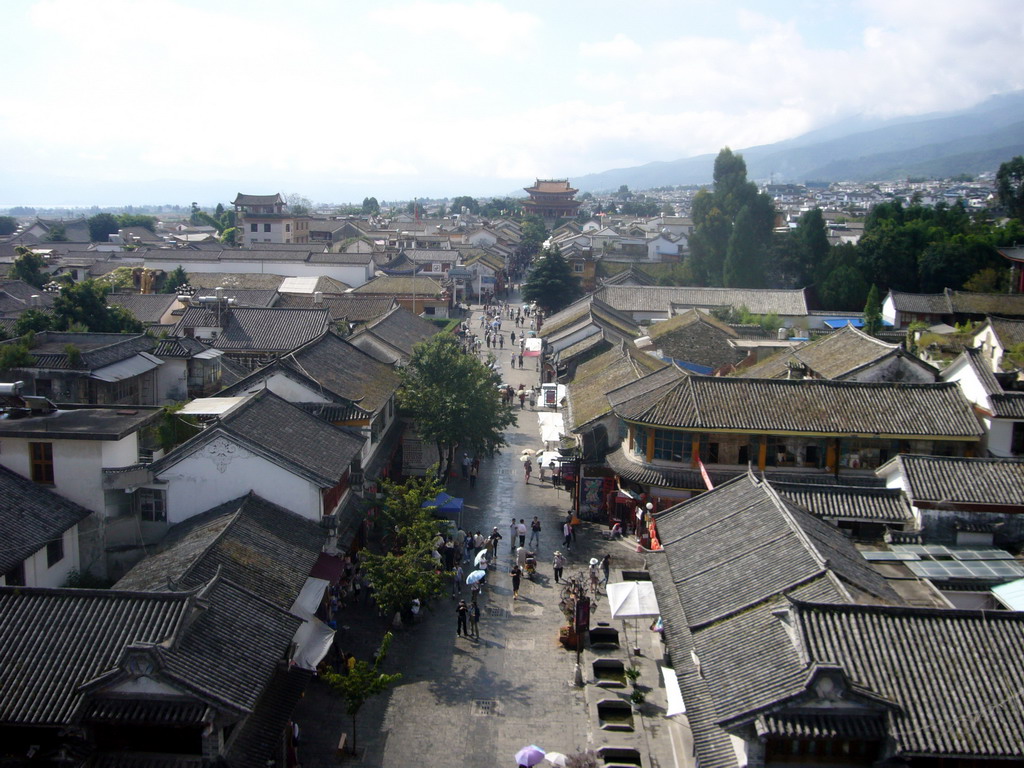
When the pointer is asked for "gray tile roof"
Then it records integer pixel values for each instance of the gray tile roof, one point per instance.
(954, 675)
(959, 303)
(589, 309)
(244, 297)
(589, 388)
(736, 546)
(74, 422)
(236, 281)
(808, 406)
(392, 337)
(256, 544)
(1004, 404)
(147, 308)
(695, 336)
(30, 516)
(652, 298)
(97, 349)
(339, 368)
(392, 285)
(352, 308)
(946, 480)
(285, 434)
(178, 347)
(832, 356)
(1009, 332)
(259, 329)
(835, 502)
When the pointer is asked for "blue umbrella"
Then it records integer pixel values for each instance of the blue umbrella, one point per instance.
(476, 576)
(530, 755)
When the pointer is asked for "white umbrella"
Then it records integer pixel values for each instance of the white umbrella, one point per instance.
(527, 452)
(524, 458)
(557, 758)
(481, 555)
(476, 576)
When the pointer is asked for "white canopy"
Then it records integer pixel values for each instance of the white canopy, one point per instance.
(313, 639)
(632, 599)
(676, 706)
(126, 369)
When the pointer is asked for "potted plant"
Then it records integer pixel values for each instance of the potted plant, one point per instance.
(637, 697)
(632, 673)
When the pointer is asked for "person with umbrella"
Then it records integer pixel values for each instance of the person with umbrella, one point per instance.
(529, 756)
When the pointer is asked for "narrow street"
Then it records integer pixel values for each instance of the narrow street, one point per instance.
(469, 702)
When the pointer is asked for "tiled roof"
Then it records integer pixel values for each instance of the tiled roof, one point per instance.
(742, 543)
(259, 328)
(392, 337)
(393, 285)
(244, 297)
(352, 308)
(147, 308)
(178, 346)
(829, 357)
(258, 545)
(1009, 332)
(834, 502)
(97, 349)
(937, 666)
(632, 276)
(333, 364)
(695, 337)
(30, 516)
(52, 641)
(947, 480)
(1003, 404)
(589, 388)
(585, 311)
(241, 199)
(959, 303)
(654, 298)
(920, 303)
(807, 406)
(285, 434)
(247, 281)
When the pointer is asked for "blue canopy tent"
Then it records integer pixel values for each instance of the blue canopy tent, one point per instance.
(446, 506)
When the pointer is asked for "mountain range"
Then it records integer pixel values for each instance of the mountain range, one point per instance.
(937, 145)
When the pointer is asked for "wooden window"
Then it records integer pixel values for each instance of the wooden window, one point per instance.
(16, 576)
(670, 445)
(41, 460)
(152, 505)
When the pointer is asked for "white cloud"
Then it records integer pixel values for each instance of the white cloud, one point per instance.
(487, 28)
(619, 47)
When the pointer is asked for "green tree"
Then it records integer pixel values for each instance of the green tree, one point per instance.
(28, 266)
(370, 206)
(623, 193)
(16, 354)
(126, 220)
(873, 312)
(229, 236)
(299, 205)
(467, 202)
(84, 305)
(362, 682)
(33, 320)
(101, 226)
(454, 399)
(8, 225)
(57, 234)
(533, 236)
(176, 278)
(551, 283)
(1010, 186)
(838, 280)
(402, 507)
(744, 262)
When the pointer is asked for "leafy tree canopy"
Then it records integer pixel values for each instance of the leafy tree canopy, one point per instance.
(1010, 186)
(551, 283)
(467, 202)
(8, 225)
(176, 278)
(33, 321)
(454, 399)
(57, 234)
(28, 266)
(84, 305)
(137, 220)
(370, 206)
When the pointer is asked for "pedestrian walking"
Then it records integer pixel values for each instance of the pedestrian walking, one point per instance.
(535, 532)
(517, 577)
(513, 531)
(474, 470)
(495, 538)
(567, 535)
(520, 359)
(595, 565)
(501, 340)
(521, 532)
(457, 576)
(462, 611)
(557, 564)
(474, 619)
(606, 567)
(528, 469)
(465, 465)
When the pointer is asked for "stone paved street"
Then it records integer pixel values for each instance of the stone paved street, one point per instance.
(468, 702)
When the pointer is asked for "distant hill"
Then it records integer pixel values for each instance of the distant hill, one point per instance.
(938, 145)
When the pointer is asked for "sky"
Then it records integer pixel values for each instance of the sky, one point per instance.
(111, 102)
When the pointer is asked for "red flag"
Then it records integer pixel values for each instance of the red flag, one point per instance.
(704, 474)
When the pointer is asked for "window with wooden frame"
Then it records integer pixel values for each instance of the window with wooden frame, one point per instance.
(41, 462)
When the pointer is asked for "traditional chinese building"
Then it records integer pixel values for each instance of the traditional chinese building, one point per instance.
(551, 199)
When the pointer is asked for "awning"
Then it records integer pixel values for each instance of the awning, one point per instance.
(210, 406)
(676, 706)
(313, 639)
(533, 347)
(632, 600)
(1011, 595)
(839, 322)
(126, 369)
(551, 426)
(208, 354)
(329, 567)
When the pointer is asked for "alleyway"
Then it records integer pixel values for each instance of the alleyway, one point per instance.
(465, 702)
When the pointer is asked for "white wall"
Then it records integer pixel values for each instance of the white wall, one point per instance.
(221, 471)
(172, 380)
(77, 464)
(889, 311)
(351, 274)
(38, 574)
